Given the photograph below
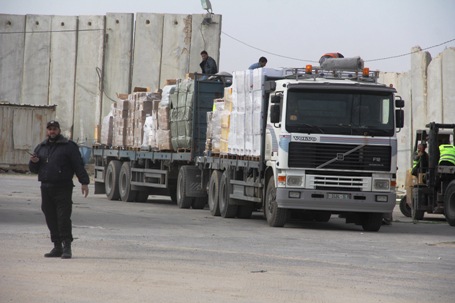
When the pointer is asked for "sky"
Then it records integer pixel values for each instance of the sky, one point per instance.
(293, 33)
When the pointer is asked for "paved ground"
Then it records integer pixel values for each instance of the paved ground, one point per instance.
(155, 252)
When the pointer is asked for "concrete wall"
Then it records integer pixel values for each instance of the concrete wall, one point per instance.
(429, 91)
(80, 63)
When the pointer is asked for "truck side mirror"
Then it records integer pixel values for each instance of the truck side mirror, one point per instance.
(276, 99)
(399, 117)
(275, 113)
(399, 103)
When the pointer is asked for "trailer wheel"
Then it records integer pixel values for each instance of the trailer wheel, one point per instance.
(183, 201)
(371, 221)
(449, 203)
(405, 208)
(126, 193)
(416, 214)
(276, 217)
(111, 180)
(227, 210)
(214, 189)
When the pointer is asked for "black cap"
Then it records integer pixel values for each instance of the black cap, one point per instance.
(53, 123)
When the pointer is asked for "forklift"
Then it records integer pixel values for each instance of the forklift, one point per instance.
(431, 191)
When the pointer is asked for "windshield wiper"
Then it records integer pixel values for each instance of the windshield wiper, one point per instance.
(308, 127)
(371, 131)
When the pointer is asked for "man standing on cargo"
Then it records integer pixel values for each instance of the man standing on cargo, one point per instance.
(261, 63)
(208, 64)
(56, 160)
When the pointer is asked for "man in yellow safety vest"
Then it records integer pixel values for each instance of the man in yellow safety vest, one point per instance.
(446, 154)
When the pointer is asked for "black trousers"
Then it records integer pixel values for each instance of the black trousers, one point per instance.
(57, 204)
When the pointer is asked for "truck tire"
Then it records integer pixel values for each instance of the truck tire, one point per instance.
(126, 193)
(449, 203)
(183, 201)
(227, 210)
(276, 217)
(213, 193)
(111, 180)
(371, 221)
(405, 208)
(416, 214)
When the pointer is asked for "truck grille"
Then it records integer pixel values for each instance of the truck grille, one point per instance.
(339, 156)
(337, 183)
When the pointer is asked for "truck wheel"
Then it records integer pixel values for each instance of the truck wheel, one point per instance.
(142, 196)
(214, 189)
(404, 207)
(126, 194)
(183, 201)
(111, 180)
(227, 210)
(416, 214)
(199, 203)
(371, 221)
(276, 217)
(449, 203)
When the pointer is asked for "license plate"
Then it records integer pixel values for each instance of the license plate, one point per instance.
(339, 196)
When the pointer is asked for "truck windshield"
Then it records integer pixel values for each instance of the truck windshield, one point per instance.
(340, 112)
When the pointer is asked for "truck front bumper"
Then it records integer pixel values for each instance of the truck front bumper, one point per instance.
(341, 201)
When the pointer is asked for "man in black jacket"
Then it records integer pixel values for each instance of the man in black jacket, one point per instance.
(56, 160)
(208, 64)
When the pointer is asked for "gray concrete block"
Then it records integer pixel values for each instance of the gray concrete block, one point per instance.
(448, 85)
(434, 90)
(176, 47)
(148, 40)
(419, 64)
(62, 69)
(35, 81)
(88, 95)
(117, 56)
(11, 57)
(205, 36)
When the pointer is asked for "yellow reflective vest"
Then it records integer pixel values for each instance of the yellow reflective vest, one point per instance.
(447, 153)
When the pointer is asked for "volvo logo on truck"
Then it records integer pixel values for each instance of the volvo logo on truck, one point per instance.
(304, 138)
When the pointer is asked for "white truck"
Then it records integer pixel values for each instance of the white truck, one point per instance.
(302, 143)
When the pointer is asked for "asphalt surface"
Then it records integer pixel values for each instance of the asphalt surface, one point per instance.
(155, 252)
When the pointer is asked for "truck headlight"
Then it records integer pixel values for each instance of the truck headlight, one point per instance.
(294, 181)
(381, 184)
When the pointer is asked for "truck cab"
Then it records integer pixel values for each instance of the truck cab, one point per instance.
(335, 148)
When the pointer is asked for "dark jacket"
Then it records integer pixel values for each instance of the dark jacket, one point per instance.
(209, 66)
(58, 162)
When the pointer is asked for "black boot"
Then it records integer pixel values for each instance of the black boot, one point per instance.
(56, 252)
(66, 250)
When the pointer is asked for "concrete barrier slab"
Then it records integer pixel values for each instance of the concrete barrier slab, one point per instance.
(89, 68)
(147, 50)
(448, 85)
(62, 69)
(12, 42)
(35, 81)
